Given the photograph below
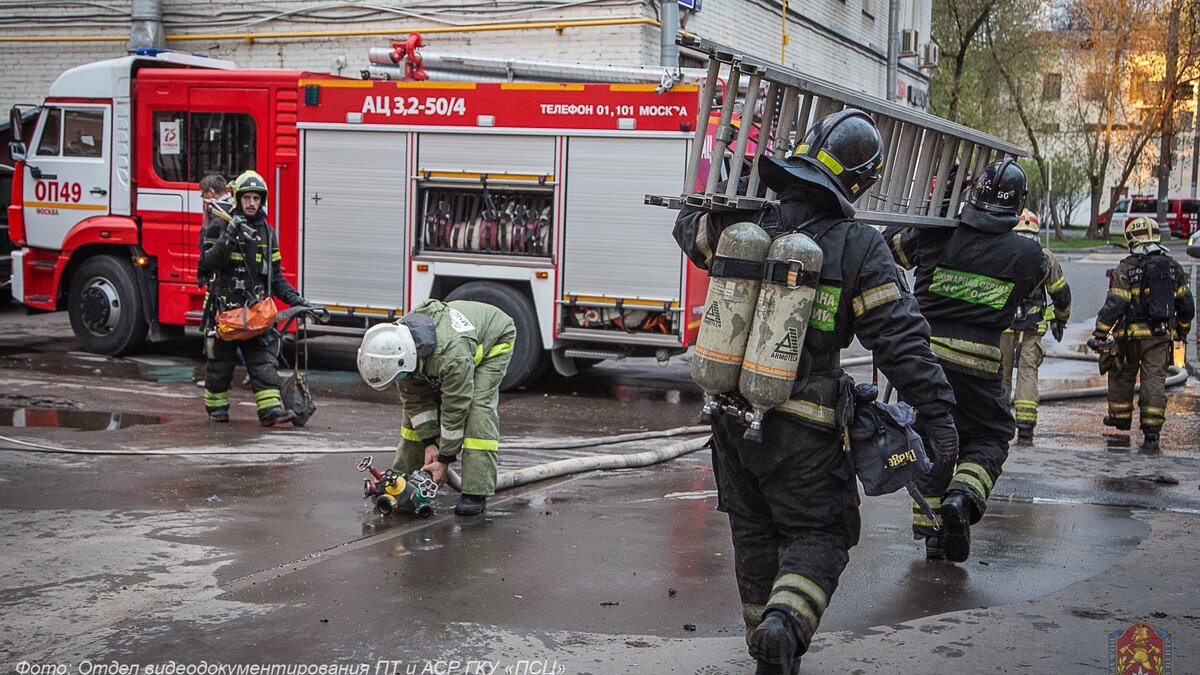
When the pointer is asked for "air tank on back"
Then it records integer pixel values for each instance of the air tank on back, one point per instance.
(793, 268)
(735, 274)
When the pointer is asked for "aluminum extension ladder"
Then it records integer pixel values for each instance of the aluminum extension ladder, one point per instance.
(920, 149)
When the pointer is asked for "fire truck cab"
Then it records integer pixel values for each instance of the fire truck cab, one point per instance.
(528, 196)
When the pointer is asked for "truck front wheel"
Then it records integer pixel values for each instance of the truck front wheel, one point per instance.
(106, 307)
(527, 362)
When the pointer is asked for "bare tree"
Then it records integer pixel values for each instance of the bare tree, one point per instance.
(1130, 61)
(1018, 61)
(1070, 186)
(957, 26)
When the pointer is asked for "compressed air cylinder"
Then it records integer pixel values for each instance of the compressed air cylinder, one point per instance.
(735, 274)
(792, 269)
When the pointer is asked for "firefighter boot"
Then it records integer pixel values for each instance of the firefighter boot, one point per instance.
(934, 550)
(956, 524)
(470, 505)
(1121, 425)
(216, 404)
(775, 645)
(276, 416)
(1150, 439)
(1024, 435)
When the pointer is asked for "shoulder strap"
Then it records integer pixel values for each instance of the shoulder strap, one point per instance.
(818, 231)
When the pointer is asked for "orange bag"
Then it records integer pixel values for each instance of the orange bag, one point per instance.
(243, 323)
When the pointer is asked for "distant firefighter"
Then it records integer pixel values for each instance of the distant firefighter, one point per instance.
(1149, 303)
(1047, 307)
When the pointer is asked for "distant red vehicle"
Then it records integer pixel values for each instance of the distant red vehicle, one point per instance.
(1182, 214)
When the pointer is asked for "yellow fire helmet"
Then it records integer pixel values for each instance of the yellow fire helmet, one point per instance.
(1142, 230)
(249, 182)
(1027, 222)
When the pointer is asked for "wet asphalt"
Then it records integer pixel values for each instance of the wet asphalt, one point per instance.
(242, 545)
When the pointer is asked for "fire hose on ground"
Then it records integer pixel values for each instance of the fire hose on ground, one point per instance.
(564, 467)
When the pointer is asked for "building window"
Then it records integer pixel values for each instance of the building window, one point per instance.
(1145, 90)
(1052, 87)
(869, 8)
(1094, 86)
(188, 147)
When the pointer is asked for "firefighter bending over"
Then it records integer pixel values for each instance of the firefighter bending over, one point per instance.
(239, 262)
(1149, 302)
(447, 359)
(970, 280)
(792, 500)
(1021, 344)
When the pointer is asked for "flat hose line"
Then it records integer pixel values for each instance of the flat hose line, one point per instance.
(566, 466)
(565, 444)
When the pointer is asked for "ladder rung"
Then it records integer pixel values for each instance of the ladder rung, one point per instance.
(920, 150)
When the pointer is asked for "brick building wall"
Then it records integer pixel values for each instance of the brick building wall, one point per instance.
(839, 40)
(843, 41)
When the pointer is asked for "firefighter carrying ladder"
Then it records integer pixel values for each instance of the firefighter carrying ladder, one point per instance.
(920, 149)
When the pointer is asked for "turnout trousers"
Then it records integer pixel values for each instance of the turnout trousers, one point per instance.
(481, 438)
(792, 503)
(985, 426)
(1150, 357)
(1025, 397)
(261, 355)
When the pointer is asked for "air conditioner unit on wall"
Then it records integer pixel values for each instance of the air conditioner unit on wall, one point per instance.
(930, 52)
(908, 43)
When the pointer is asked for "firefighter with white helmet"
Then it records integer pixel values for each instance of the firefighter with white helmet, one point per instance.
(792, 498)
(447, 360)
(1048, 307)
(241, 265)
(970, 280)
(1149, 303)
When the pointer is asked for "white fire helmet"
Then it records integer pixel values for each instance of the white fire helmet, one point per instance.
(387, 353)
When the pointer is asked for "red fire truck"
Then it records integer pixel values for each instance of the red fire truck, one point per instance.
(526, 196)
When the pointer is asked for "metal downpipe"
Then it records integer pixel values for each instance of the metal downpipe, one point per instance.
(146, 25)
(670, 28)
(893, 50)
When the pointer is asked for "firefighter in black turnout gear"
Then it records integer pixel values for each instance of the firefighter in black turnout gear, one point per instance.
(970, 281)
(236, 258)
(1149, 303)
(792, 500)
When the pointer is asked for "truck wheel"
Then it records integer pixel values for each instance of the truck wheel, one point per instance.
(526, 362)
(106, 307)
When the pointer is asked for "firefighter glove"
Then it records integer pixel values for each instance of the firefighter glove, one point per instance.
(943, 436)
(1057, 327)
(229, 235)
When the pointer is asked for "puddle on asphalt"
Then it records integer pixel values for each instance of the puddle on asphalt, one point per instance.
(1150, 485)
(81, 420)
(1117, 443)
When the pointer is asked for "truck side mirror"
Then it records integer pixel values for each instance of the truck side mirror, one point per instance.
(16, 146)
